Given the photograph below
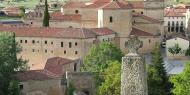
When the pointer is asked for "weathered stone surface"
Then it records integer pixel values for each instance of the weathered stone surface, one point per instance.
(133, 74)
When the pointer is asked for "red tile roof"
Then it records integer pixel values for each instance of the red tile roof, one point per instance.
(117, 5)
(72, 4)
(137, 4)
(78, 33)
(175, 12)
(55, 65)
(103, 31)
(138, 32)
(12, 11)
(145, 17)
(35, 75)
(59, 16)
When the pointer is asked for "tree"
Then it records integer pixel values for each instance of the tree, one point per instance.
(46, 15)
(182, 82)
(99, 56)
(9, 61)
(158, 81)
(14, 88)
(112, 80)
(175, 49)
(69, 89)
(22, 13)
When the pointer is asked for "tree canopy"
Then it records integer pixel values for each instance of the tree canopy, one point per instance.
(112, 80)
(99, 56)
(158, 81)
(182, 82)
(9, 63)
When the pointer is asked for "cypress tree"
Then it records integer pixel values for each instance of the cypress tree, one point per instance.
(46, 15)
(158, 81)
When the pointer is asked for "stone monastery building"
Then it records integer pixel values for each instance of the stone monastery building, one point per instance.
(81, 24)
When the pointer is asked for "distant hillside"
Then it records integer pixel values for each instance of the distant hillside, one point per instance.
(175, 1)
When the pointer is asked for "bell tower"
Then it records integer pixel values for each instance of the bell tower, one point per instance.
(154, 9)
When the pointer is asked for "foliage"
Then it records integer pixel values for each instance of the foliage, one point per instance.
(112, 80)
(14, 88)
(175, 49)
(182, 82)
(9, 61)
(158, 81)
(70, 89)
(187, 53)
(22, 13)
(46, 15)
(98, 58)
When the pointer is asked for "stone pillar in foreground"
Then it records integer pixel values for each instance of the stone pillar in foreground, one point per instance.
(133, 74)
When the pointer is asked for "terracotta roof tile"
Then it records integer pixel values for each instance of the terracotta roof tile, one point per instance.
(35, 75)
(117, 5)
(138, 32)
(174, 12)
(102, 31)
(145, 17)
(72, 4)
(55, 65)
(78, 33)
(137, 4)
(59, 16)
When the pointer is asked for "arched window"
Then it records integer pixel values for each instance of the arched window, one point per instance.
(142, 13)
(111, 19)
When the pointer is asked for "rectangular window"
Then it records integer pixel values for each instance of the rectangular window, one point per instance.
(52, 43)
(76, 43)
(45, 50)
(65, 52)
(76, 52)
(33, 41)
(45, 42)
(61, 44)
(21, 87)
(20, 41)
(149, 41)
(25, 41)
(70, 44)
(111, 19)
(33, 50)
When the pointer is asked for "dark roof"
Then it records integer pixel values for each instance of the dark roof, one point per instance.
(138, 32)
(35, 75)
(55, 65)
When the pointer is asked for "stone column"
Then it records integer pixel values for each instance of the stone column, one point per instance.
(133, 74)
